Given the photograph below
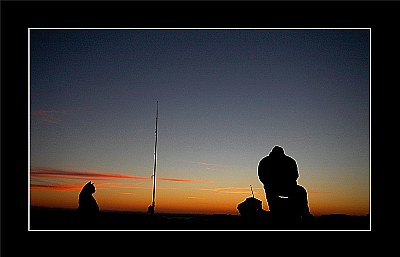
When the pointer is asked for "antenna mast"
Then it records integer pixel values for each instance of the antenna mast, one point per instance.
(252, 191)
(150, 210)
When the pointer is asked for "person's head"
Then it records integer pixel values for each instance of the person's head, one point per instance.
(277, 150)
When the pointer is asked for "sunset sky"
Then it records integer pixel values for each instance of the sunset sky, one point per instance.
(226, 97)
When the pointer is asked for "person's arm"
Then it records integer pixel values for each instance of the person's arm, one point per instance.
(261, 171)
(295, 170)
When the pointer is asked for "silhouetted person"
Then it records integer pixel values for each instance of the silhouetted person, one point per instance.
(88, 207)
(279, 173)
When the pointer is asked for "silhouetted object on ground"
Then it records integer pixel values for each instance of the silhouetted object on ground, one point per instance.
(251, 207)
(88, 208)
(286, 199)
(150, 210)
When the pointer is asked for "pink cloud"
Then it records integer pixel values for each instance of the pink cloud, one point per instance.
(57, 173)
(89, 175)
(55, 187)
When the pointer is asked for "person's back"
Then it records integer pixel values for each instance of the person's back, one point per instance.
(279, 173)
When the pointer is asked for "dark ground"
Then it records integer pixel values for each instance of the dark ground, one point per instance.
(69, 219)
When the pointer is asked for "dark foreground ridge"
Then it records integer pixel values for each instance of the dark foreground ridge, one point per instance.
(69, 219)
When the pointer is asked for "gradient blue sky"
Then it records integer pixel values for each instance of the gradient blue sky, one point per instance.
(226, 97)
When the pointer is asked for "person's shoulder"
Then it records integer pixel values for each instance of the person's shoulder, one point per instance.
(265, 158)
(290, 158)
(263, 161)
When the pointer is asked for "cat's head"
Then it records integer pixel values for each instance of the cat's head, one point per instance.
(89, 187)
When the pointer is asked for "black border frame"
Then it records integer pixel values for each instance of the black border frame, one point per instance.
(18, 16)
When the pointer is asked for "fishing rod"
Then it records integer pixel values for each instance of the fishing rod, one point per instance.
(153, 203)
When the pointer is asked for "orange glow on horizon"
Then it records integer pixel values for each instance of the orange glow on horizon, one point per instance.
(178, 201)
(52, 187)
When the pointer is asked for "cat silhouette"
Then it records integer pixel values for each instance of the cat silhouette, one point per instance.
(88, 206)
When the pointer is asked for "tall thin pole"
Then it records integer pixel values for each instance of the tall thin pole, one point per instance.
(153, 203)
(155, 160)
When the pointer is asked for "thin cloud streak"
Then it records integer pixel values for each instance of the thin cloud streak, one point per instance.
(209, 164)
(58, 173)
(228, 190)
(184, 180)
(50, 173)
(195, 198)
(73, 187)
(55, 187)
(241, 190)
